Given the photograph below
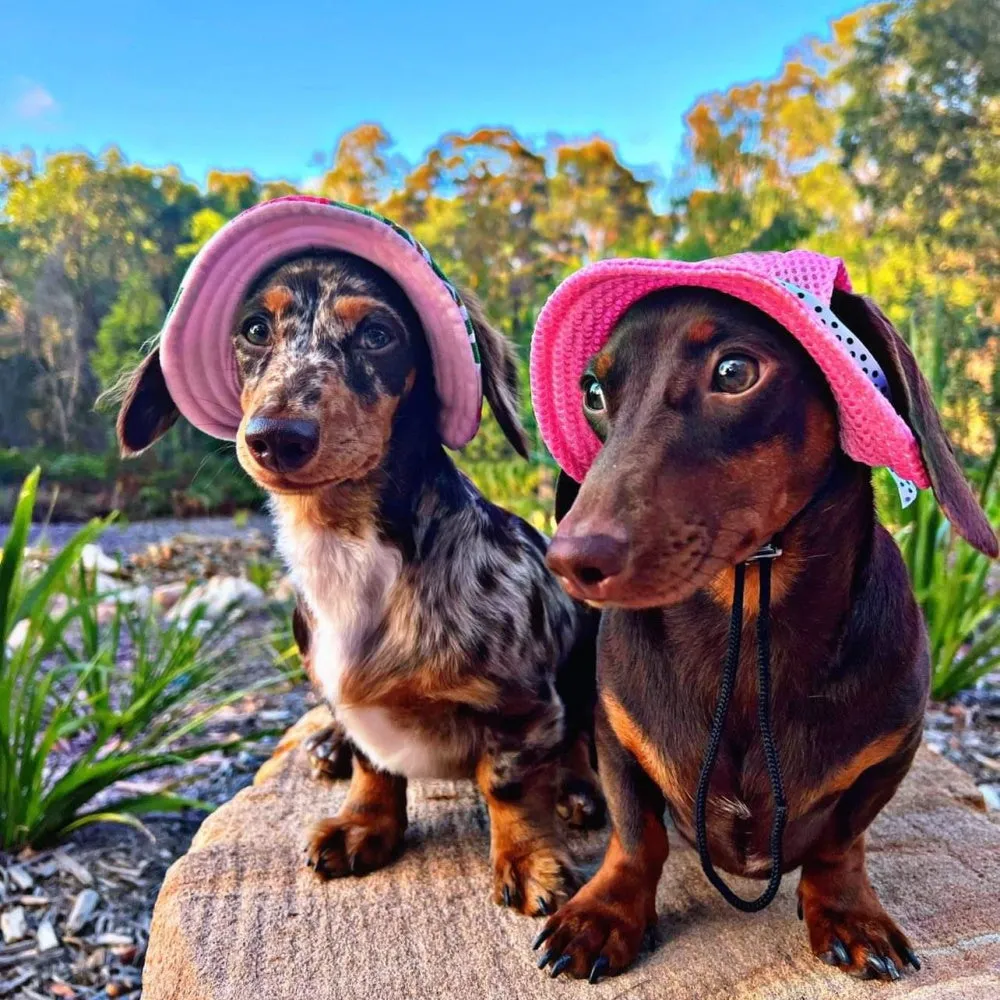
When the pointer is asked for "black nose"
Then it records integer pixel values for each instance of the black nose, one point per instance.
(282, 445)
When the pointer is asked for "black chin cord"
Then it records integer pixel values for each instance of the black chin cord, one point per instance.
(764, 559)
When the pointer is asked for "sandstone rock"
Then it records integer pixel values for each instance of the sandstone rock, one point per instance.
(240, 916)
(46, 936)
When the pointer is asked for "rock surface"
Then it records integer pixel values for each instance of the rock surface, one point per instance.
(240, 916)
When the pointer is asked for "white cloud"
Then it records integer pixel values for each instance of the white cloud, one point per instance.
(33, 102)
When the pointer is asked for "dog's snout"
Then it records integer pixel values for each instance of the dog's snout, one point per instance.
(588, 560)
(282, 445)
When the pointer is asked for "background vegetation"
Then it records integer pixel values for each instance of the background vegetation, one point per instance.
(880, 144)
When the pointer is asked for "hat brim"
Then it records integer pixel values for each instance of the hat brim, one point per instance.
(578, 318)
(196, 351)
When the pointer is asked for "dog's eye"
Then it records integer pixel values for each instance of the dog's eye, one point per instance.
(593, 395)
(735, 374)
(374, 338)
(256, 331)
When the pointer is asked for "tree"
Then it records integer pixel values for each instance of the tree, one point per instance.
(361, 167)
(921, 132)
(135, 318)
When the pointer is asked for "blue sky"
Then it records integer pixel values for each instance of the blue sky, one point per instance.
(267, 85)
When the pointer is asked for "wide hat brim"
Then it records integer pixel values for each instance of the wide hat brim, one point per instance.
(794, 288)
(196, 350)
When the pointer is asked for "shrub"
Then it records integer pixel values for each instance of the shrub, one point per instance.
(952, 585)
(74, 720)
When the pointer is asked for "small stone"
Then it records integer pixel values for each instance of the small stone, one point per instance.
(73, 867)
(20, 877)
(93, 557)
(167, 595)
(13, 925)
(109, 940)
(46, 936)
(83, 909)
(46, 868)
(217, 596)
(991, 796)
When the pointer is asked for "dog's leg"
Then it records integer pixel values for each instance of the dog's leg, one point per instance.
(368, 831)
(330, 752)
(601, 929)
(847, 925)
(581, 802)
(532, 871)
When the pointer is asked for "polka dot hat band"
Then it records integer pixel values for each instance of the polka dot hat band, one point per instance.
(794, 288)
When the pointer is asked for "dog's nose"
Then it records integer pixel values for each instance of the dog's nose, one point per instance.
(587, 560)
(282, 445)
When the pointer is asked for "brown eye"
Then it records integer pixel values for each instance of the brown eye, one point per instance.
(374, 338)
(593, 395)
(735, 374)
(257, 331)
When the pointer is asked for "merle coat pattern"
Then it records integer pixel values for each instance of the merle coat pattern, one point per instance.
(427, 616)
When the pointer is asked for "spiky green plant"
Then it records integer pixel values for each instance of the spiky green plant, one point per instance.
(951, 581)
(86, 703)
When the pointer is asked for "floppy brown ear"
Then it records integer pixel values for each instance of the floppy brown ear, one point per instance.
(911, 396)
(566, 490)
(147, 411)
(498, 361)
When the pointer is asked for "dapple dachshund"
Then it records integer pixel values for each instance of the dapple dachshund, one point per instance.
(427, 616)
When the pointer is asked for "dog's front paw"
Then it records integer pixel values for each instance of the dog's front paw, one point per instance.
(329, 753)
(581, 802)
(862, 940)
(595, 934)
(532, 878)
(354, 843)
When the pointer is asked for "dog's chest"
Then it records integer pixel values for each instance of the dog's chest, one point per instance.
(348, 585)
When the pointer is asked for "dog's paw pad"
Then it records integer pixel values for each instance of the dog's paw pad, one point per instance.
(581, 803)
(353, 844)
(329, 753)
(865, 943)
(590, 938)
(533, 880)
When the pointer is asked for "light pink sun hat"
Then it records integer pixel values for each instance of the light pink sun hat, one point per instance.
(196, 351)
(794, 288)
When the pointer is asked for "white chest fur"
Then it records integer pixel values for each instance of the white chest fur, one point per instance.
(347, 583)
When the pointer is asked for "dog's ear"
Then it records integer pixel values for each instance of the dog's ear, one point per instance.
(911, 396)
(566, 491)
(147, 410)
(498, 361)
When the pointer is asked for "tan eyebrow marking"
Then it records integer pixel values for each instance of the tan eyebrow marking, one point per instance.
(352, 309)
(277, 298)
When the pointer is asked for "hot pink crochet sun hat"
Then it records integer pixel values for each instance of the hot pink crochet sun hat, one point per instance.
(794, 288)
(196, 351)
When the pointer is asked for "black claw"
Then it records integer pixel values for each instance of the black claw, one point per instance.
(543, 906)
(506, 895)
(890, 967)
(800, 909)
(544, 960)
(910, 958)
(877, 965)
(840, 953)
(560, 965)
(546, 932)
(599, 968)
